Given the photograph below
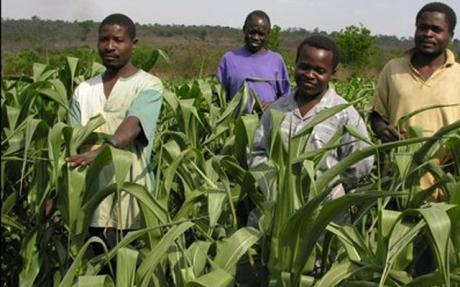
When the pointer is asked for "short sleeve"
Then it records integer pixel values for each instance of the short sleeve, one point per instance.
(352, 145)
(284, 86)
(146, 107)
(75, 110)
(379, 102)
(260, 151)
(222, 71)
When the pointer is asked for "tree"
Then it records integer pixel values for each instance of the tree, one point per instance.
(356, 46)
(85, 28)
(273, 41)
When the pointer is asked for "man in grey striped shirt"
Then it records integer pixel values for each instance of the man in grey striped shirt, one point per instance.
(316, 63)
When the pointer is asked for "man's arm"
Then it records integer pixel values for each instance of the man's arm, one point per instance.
(259, 152)
(386, 132)
(352, 144)
(124, 136)
(284, 87)
(139, 124)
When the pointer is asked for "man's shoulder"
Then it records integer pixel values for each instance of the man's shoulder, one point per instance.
(334, 99)
(396, 63)
(456, 67)
(91, 81)
(234, 53)
(147, 80)
(275, 55)
(88, 85)
(283, 104)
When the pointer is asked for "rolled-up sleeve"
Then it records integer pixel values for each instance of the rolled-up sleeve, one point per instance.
(259, 152)
(379, 102)
(75, 109)
(352, 144)
(146, 107)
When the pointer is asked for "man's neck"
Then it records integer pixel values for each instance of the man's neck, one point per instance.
(426, 65)
(420, 61)
(127, 70)
(305, 103)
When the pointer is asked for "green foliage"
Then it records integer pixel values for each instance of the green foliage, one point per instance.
(85, 28)
(274, 40)
(356, 46)
(195, 233)
(20, 63)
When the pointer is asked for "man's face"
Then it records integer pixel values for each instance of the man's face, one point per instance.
(432, 33)
(255, 33)
(313, 71)
(115, 46)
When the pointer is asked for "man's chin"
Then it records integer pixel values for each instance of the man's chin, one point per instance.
(111, 66)
(309, 94)
(254, 49)
(429, 52)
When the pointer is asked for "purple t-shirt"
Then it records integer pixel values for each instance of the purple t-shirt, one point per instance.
(239, 65)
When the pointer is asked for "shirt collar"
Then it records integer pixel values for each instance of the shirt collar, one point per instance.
(326, 101)
(450, 58)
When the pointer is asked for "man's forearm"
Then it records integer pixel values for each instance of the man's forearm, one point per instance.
(383, 130)
(127, 132)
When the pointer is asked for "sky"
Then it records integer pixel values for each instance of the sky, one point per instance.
(382, 17)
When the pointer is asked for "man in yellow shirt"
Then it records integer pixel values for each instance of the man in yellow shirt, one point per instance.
(426, 76)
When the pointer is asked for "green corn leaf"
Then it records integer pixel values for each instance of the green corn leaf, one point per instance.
(69, 277)
(31, 256)
(96, 281)
(126, 267)
(439, 225)
(153, 258)
(198, 256)
(216, 278)
(234, 247)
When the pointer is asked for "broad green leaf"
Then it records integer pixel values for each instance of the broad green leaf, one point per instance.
(69, 277)
(216, 278)
(96, 281)
(31, 256)
(153, 258)
(234, 247)
(126, 267)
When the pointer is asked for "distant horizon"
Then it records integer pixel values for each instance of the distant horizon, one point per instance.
(381, 17)
(208, 25)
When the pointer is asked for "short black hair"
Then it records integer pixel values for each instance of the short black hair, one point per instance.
(122, 20)
(260, 14)
(451, 17)
(320, 42)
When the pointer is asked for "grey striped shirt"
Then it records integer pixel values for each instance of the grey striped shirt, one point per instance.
(320, 137)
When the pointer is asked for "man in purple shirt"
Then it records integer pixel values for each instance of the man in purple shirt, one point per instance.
(264, 70)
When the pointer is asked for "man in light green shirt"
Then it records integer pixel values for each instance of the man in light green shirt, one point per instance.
(129, 100)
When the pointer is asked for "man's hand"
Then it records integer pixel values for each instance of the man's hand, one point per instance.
(386, 132)
(83, 159)
(389, 133)
(123, 137)
(265, 105)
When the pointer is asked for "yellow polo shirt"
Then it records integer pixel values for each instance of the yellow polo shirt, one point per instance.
(402, 90)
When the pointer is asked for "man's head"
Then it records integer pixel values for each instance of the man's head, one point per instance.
(435, 25)
(256, 28)
(316, 62)
(117, 36)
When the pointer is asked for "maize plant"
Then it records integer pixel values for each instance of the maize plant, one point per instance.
(195, 223)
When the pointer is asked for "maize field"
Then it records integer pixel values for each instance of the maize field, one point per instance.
(196, 231)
